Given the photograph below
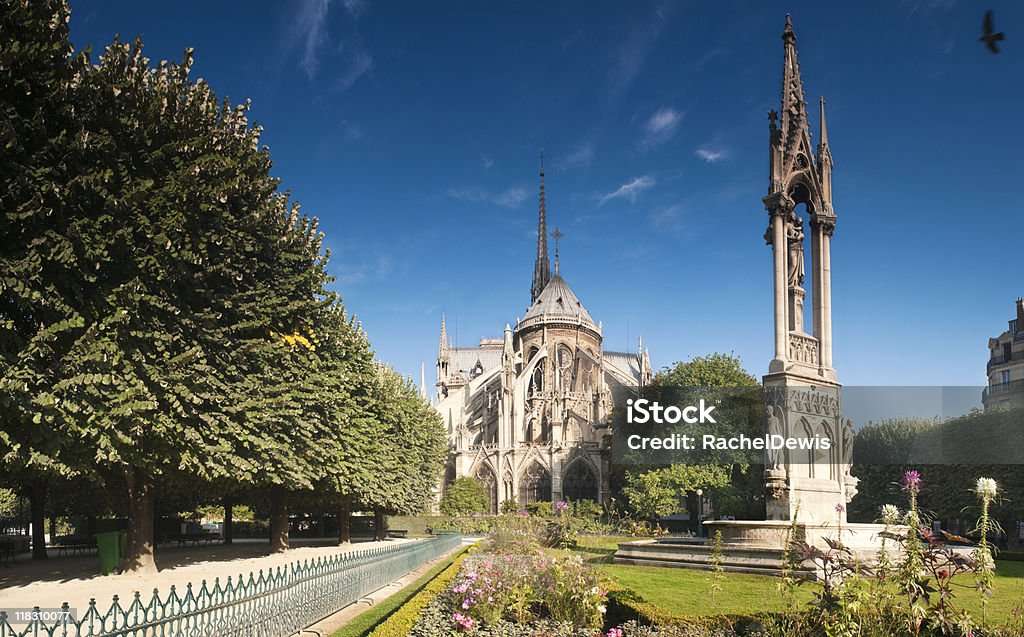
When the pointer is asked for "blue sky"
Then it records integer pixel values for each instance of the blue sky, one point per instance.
(412, 130)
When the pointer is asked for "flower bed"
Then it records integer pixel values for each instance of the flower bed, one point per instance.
(511, 587)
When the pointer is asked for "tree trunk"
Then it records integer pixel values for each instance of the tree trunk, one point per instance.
(379, 532)
(345, 521)
(53, 528)
(37, 498)
(141, 506)
(278, 519)
(229, 506)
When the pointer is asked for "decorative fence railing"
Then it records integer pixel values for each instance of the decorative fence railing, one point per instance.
(281, 602)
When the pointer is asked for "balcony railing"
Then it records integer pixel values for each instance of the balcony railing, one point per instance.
(1003, 388)
(999, 359)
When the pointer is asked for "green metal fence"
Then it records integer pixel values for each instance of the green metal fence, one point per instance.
(276, 604)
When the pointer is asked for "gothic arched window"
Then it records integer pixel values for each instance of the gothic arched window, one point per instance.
(535, 485)
(485, 476)
(579, 482)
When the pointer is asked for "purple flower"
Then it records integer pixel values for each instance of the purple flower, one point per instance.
(840, 508)
(911, 481)
(561, 505)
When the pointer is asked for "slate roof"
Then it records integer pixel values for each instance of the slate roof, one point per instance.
(558, 299)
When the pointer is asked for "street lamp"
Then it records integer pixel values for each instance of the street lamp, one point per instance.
(700, 512)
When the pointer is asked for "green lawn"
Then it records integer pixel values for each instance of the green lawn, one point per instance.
(687, 592)
(366, 621)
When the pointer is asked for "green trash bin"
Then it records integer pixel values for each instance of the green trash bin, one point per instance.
(111, 551)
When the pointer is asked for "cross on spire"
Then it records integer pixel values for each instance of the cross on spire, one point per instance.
(556, 235)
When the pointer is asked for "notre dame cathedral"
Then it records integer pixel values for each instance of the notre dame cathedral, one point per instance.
(528, 414)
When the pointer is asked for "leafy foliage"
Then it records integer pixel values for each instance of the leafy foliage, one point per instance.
(464, 496)
(165, 317)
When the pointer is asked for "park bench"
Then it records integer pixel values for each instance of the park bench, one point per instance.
(73, 545)
(398, 533)
(194, 538)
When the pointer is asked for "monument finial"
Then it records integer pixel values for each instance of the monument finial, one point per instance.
(824, 129)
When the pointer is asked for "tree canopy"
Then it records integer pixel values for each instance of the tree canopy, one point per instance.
(166, 315)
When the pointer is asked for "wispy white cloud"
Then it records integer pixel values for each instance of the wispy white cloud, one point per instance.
(309, 32)
(660, 127)
(925, 7)
(355, 264)
(672, 219)
(629, 57)
(309, 27)
(357, 62)
(486, 161)
(712, 154)
(628, 190)
(578, 157)
(511, 198)
(351, 130)
(508, 198)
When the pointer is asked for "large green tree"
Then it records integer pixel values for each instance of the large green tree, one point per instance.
(37, 131)
(463, 497)
(410, 457)
(735, 486)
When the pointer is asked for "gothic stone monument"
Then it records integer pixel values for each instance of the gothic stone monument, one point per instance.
(802, 393)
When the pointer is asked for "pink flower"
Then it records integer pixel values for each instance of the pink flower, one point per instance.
(465, 621)
(561, 505)
(911, 481)
(615, 632)
(840, 508)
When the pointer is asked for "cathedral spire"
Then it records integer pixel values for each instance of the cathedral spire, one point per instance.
(542, 267)
(442, 349)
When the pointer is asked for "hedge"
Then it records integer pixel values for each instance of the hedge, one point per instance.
(402, 621)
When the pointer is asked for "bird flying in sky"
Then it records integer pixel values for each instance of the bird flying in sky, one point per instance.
(989, 37)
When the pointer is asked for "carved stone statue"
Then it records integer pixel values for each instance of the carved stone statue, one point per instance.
(847, 444)
(774, 460)
(795, 241)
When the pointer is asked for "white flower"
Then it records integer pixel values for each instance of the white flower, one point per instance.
(601, 609)
(984, 557)
(594, 591)
(986, 488)
(890, 514)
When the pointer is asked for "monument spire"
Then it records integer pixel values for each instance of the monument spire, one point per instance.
(823, 143)
(542, 266)
(793, 117)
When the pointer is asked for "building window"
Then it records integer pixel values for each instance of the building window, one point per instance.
(579, 483)
(535, 485)
(1004, 377)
